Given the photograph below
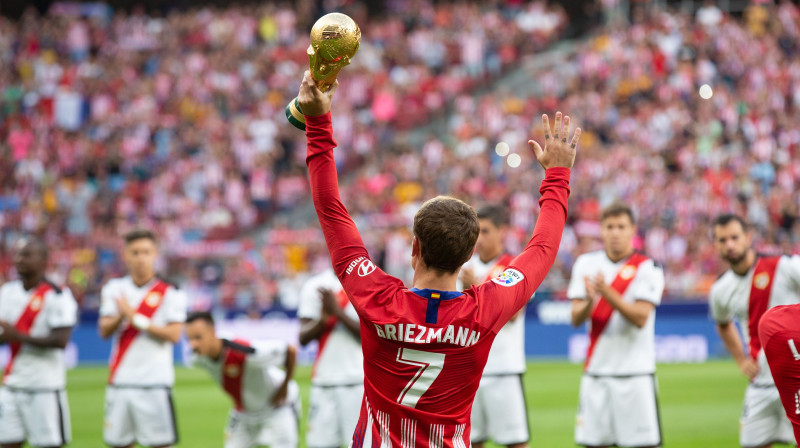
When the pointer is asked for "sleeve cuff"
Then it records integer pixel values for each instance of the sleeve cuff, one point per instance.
(318, 120)
(557, 173)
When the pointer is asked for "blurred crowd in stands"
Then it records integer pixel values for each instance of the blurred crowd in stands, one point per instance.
(112, 120)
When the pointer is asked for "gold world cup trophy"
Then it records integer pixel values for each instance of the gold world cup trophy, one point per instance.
(334, 41)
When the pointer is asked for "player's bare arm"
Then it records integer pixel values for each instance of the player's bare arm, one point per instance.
(582, 308)
(733, 343)
(279, 397)
(311, 329)
(107, 325)
(635, 313)
(331, 307)
(58, 337)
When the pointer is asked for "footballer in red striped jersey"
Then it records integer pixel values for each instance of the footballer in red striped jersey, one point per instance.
(617, 290)
(265, 398)
(779, 333)
(144, 314)
(425, 347)
(751, 286)
(36, 319)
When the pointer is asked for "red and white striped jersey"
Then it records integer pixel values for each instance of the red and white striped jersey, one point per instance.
(424, 350)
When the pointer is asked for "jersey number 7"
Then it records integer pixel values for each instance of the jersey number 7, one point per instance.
(430, 365)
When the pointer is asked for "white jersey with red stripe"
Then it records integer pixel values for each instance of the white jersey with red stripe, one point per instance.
(622, 349)
(339, 359)
(38, 368)
(260, 375)
(148, 361)
(507, 355)
(730, 300)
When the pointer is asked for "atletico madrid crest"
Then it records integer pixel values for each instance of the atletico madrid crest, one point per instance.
(761, 281)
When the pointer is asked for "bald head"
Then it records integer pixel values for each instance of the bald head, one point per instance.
(30, 256)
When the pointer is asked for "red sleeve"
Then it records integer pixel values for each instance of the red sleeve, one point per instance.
(359, 276)
(507, 294)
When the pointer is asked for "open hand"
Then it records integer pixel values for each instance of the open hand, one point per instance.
(314, 102)
(557, 152)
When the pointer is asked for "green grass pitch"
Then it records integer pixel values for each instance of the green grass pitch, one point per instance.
(700, 405)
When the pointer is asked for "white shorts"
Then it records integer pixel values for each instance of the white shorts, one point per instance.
(620, 411)
(333, 415)
(142, 415)
(499, 411)
(763, 419)
(277, 429)
(39, 417)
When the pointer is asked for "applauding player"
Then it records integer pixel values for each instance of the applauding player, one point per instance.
(745, 292)
(499, 410)
(617, 290)
(145, 315)
(425, 347)
(265, 398)
(36, 319)
(337, 381)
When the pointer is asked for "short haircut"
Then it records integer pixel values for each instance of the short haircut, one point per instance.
(618, 209)
(447, 230)
(727, 218)
(205, 316)
(140, 234)
(37, 245)
(494, 213)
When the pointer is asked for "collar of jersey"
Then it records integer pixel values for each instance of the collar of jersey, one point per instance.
(443, 295)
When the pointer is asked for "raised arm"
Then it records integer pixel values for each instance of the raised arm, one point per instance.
(341, 235)
(526, 272)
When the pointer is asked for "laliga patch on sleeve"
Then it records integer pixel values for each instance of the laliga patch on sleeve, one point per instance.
(509, 277)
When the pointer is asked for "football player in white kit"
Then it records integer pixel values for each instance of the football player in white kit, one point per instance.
(617, 290)
(265, 398)
(337, 381)
(499, 411)
(145, 315)
(36, 319)
(744, 293)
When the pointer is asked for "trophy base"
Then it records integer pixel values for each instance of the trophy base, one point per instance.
(295, 116)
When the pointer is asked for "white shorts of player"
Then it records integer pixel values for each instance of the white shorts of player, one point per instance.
(144, 415)
(499, 412)
(763, 419)
(40, 417)
(618, 410)
(333, 415)
(276, 429)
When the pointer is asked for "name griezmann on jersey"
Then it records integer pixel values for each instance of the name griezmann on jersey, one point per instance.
(420, 334)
